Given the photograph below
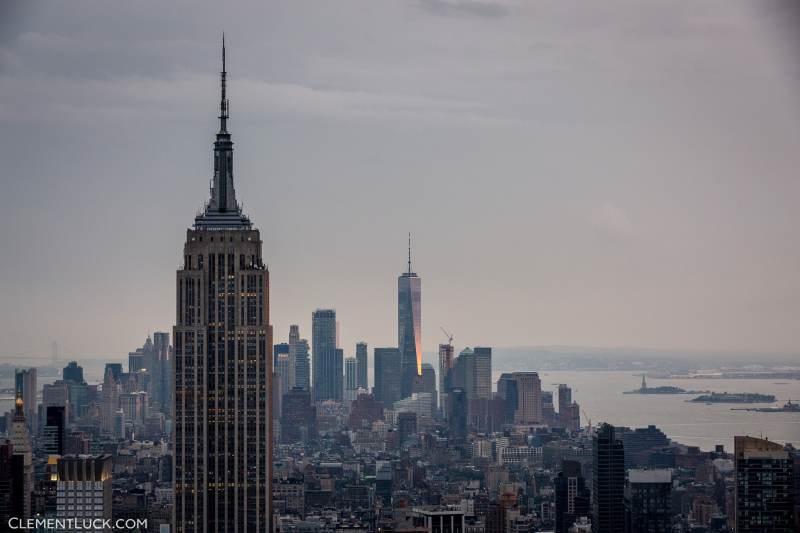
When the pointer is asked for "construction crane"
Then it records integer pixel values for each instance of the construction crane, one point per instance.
(449, 337)
(588, 420)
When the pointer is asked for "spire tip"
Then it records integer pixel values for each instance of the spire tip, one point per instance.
(409, 252)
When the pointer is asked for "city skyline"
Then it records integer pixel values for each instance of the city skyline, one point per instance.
(610, 209)
(564, 167)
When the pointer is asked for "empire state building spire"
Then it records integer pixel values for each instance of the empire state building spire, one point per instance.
(222, 210)
(223, 102)
(222, 363)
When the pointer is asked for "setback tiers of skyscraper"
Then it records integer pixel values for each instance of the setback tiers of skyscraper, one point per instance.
(223, 364)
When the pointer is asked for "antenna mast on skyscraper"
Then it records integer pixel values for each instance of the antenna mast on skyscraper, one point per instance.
(409, 252)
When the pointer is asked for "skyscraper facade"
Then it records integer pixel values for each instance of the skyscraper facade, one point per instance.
(472, 371)
(648, 501)
(20, 438)
(53, 430)
(299, 417)
(529, 398)
(409, 326)
(222, 438)
(362, 363)
(302, 366)
(445, 364)
(294, 338)
(350, 373)
(426, 383)
(12, 484)
(84, 488)
(507, 391)
(482, 373)
(25, 383)
(572, 496)
(73, 372)
(387, 375)
(564, 403)
(764, 486)
(281, 366)
(161, 380)
(608, 481)
(280, 377)
(326, 363)
(300, 371)
(111, 391)
(457, 420)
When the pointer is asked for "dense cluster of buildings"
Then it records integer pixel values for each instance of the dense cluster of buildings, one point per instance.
(223, 429)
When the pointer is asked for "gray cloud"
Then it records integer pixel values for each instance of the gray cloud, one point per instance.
(615, 173)
(490, 9)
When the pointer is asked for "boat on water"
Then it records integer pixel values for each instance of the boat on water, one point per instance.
(788, 407)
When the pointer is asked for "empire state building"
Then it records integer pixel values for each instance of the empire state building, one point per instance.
(223, 364)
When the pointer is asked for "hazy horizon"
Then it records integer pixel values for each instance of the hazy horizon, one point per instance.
(614, 175)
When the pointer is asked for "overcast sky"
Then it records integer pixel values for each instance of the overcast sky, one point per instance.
(615, 173)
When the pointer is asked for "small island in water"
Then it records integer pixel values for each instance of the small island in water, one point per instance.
(734, 397)
(644, 389)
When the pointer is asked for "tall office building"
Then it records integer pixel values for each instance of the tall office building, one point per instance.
(141, 358)
(25, 383)
(57, 394)
(116, 371)
(387, 375)
(482, 388)
(640, 440)
(472, 371)
(73, 372)
(299, 417)
(350, 373)
(445, 364)
(529, 398)
(572, 417)
(521, 393)
(406, 426)
(281, 366)
(53, 431)
(648, 501)
(608, 481)
(457, 420)
(22, 447)
(110, 398)
(12, 484)
(764, 486)
(564, 403)
(409, 326)
(280, 377)
(294, 340)
(84, 489)
(161, 372)
(507, 391)
(287, 352)
(548, 408)
(300, 367)
(222, 438)
(572, 496)
(362, 363)
(426, 383)
(326, 365)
